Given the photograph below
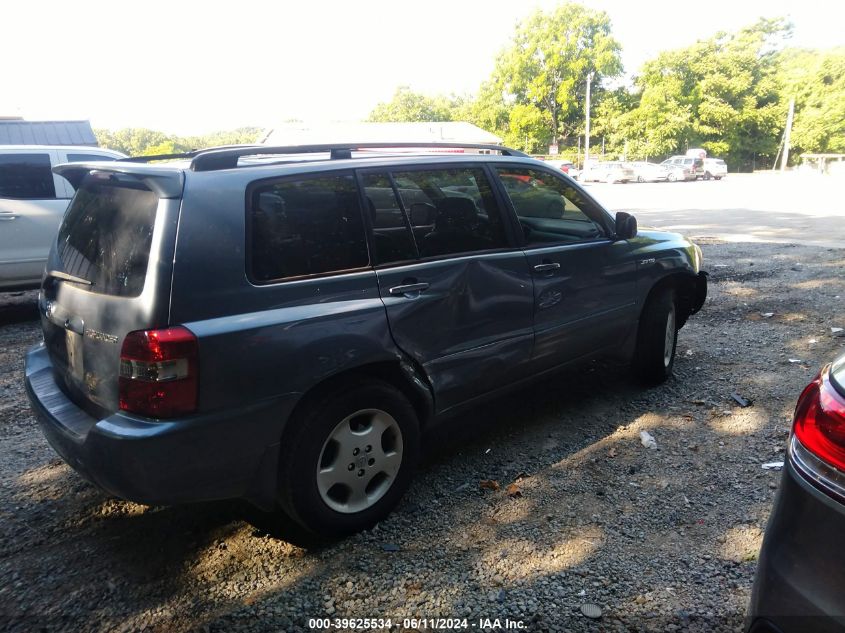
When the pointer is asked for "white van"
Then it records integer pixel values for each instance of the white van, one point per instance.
(32, 203)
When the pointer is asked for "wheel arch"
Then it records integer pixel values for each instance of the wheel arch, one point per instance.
(401, 373)
(690, 292)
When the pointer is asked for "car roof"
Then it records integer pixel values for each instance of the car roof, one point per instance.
(305, 164)
(166, 178)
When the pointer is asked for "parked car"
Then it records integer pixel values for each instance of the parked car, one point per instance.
(609, 172)
(715, 168)
(32, 202)
(800, 577)
(566, 166)
(683, 168)
(649, 172)
(285, 332)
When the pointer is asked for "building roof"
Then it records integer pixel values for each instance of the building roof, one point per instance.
(306, 134)
(18, 132)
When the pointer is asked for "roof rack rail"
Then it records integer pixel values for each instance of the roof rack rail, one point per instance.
(227, 157)
(189, 154)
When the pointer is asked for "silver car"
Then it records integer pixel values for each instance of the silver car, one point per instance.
(33, 200)
(609, 172)
(715, 168)
(649, 172)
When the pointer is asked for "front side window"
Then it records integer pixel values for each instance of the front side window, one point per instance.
(451, 211)
(26, 177)
(306, 226)
(549, 209)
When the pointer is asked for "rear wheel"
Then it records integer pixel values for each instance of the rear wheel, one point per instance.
(640, 179)
(348, 459)
(657, 339)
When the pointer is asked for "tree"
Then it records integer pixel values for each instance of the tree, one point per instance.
(145, 142)
(721, 94)
(407, 105)
(546, 66)
(816, 80)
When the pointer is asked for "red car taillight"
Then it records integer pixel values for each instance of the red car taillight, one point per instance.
(820, 421)
(158, 372)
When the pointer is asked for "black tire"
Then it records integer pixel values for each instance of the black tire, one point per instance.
(653, 362)
(312, 425)
(640, 179)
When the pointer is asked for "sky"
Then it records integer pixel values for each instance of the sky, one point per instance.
(188, 67)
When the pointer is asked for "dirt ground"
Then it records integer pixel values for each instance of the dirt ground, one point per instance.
(659, 540)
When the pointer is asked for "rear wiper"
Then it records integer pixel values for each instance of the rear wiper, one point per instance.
(57, 274)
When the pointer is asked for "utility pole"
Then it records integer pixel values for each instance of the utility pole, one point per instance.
(587, 126)
(786, 135)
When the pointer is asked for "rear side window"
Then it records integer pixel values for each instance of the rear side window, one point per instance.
(26, 176)
(451, 211)
(392, 238)
(306, 226)
(107, 233)
(83, 158)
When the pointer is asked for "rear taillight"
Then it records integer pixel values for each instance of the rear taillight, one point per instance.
(158, 372)
(820, 421)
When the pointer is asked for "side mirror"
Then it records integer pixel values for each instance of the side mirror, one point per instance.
(626, 226)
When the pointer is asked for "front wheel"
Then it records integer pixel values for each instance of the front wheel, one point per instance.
(657, 339)
(671, 177)
(640, 179)
(348, 459)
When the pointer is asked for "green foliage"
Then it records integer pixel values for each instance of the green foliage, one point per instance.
(720, 93)
(144, 142)
(816, 80)
(546, 68)
(407, 105)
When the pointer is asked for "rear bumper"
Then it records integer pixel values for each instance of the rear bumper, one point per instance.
(208, 456)
(800, 581)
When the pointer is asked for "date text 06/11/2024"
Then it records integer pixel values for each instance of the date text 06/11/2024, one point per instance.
(435, 624)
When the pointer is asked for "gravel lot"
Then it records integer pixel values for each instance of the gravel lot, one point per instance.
(660, 540)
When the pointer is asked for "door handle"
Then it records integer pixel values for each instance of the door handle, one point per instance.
(546, 267)
(7, 217)
(405, 289)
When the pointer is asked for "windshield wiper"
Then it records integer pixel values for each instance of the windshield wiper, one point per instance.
(57, 274)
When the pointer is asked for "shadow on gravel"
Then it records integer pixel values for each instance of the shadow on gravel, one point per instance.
(661, 539)
(18, 307)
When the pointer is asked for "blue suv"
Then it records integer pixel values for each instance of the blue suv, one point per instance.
(281, 324)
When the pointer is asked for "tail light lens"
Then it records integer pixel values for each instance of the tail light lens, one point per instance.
(158, 372)
(820, 421)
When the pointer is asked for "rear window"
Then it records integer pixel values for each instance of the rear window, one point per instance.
(306, 226)
(106, 234)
